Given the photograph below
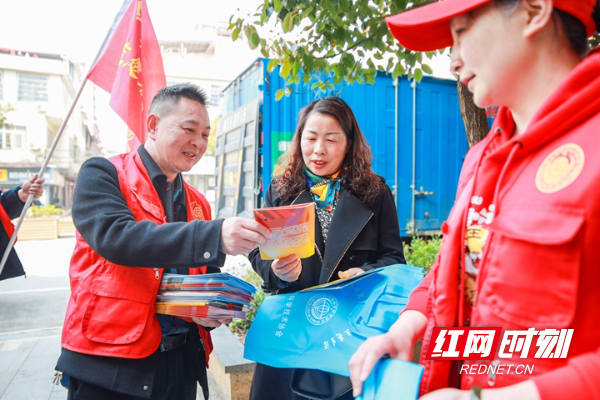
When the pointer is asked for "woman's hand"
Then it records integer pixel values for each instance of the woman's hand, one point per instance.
(398, 343)
(35, 186)
(287, 268)
(350, 272)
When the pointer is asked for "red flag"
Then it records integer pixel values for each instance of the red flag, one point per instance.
(129, 66)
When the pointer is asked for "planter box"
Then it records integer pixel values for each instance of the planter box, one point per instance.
(38, 229)
(66, 227)
(232, 372)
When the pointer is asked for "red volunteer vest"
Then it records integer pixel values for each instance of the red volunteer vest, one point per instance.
(6, 223)
(111, 308)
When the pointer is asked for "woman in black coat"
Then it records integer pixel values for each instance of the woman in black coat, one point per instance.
(356, 229)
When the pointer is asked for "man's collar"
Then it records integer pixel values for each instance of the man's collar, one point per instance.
(153, 169)
(156, 173)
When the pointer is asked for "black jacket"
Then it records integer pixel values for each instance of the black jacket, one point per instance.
(13, 206)
(361, 235)
(104, 220)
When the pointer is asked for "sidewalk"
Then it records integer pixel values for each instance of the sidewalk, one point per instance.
(28, 354)
(27, 366)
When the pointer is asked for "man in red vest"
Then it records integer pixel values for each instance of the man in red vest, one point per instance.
(135, 218)
(11, 205)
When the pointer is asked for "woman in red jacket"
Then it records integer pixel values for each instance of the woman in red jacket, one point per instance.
(520, 246)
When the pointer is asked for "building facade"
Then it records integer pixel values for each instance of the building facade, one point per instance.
(39, 89)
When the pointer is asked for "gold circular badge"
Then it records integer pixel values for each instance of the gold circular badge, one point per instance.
(197, 211)
(560, 168)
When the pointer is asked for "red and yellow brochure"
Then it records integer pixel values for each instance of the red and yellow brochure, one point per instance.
(293, 229)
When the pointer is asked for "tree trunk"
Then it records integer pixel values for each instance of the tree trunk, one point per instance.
(475, 119)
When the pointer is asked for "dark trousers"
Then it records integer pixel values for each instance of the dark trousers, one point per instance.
(176, 378)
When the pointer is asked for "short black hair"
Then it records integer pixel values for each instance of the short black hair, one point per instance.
(165, 100)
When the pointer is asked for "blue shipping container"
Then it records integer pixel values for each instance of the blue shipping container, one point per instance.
(416, 135)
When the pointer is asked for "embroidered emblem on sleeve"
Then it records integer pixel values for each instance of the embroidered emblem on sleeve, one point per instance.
(197, 211)
(560, 168)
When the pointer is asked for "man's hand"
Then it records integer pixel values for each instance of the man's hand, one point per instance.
(242, 235)
(35, 186)
(211, 323)
(287, 268)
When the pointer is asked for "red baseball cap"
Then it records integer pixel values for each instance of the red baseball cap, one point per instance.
(427, 28)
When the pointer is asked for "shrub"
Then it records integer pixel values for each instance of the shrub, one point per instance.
(422, 252)
(44, 211)
(244, 324)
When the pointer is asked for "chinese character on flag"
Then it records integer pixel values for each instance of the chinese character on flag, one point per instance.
(129, 66)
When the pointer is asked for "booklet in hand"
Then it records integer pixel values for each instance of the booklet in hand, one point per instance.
(293, 229)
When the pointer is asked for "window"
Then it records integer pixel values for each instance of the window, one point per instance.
(1, 85)
(215, 95)
(32, 87)
(12, 137)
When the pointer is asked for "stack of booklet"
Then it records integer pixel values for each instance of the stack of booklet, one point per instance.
(213, 296)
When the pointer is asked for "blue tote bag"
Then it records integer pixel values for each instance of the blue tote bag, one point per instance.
(321, 327)
(393, 379)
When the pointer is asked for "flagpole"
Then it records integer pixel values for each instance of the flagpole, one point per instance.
(41, 175)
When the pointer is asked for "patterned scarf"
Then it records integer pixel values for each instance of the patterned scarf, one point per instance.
(324, 189)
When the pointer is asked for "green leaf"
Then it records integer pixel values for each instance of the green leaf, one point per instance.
(307, 11)
(287, 23)
(285, 70)
(348, 60)
(254, 41)
(308, 63)
(399, 70)
(277, 5)
(411, 59)
(272, 65)
(230, 27)
(315, 85)
(390, 64)
(265, 52)
(296, 68)
(371, 64)
(426, 68)
(279, 94)
(235, 34)
(418, 74)
(248, 31)
(337, 73)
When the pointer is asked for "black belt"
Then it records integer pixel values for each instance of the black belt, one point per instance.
(171, 342)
